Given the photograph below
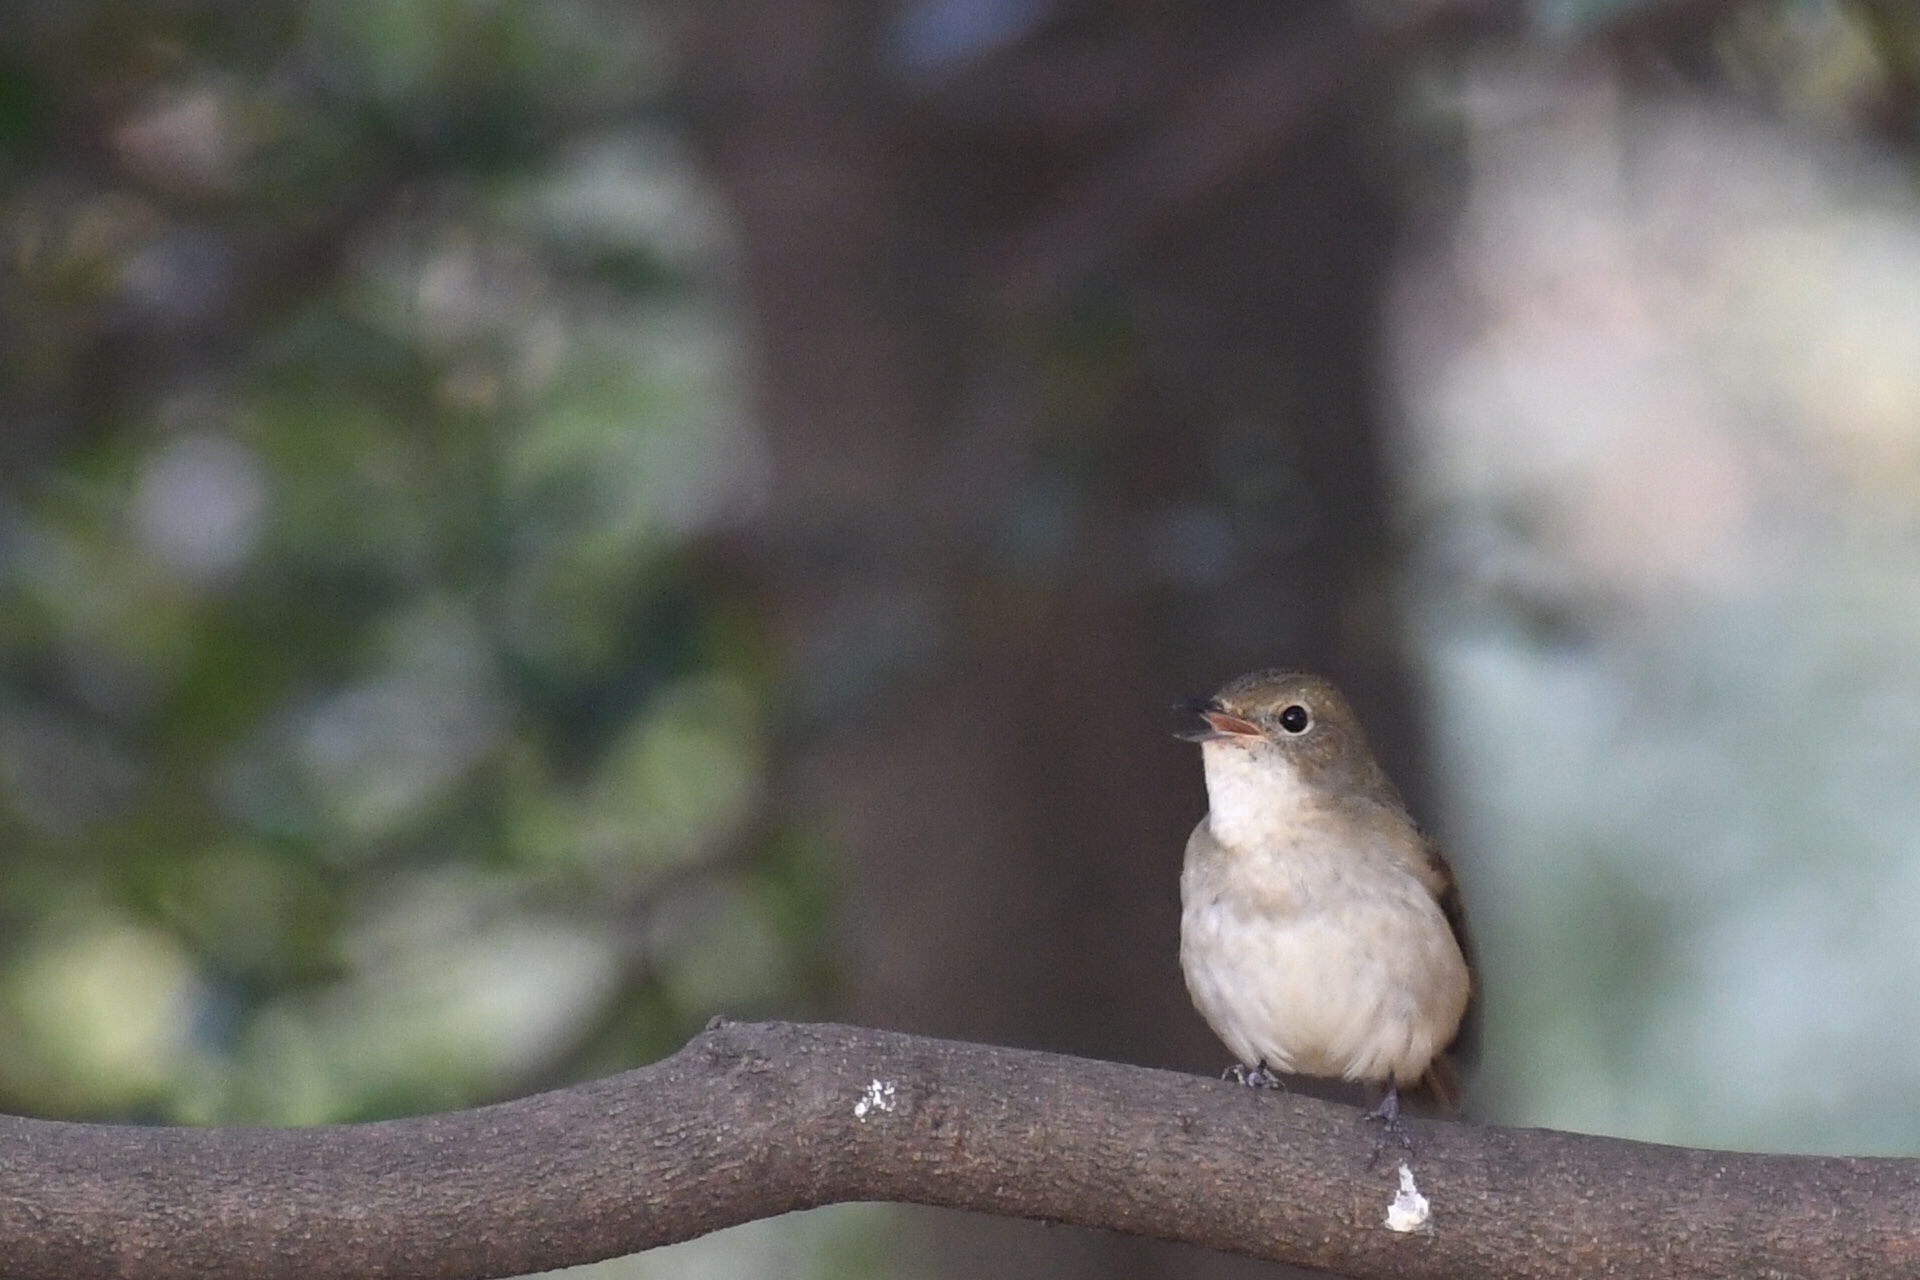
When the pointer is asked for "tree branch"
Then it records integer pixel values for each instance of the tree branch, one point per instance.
(752, 1120)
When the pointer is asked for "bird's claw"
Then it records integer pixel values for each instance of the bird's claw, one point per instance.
(1258, 1077)
(1391, 1129)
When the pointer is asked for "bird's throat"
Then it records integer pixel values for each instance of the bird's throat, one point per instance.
(1255, 796)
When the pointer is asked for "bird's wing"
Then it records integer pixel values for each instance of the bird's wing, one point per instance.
(1464, 1048)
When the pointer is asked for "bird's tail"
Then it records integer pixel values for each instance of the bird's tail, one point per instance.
(1440, 1087)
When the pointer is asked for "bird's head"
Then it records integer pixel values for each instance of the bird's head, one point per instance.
(1290, 721)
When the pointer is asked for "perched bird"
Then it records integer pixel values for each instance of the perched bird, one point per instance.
(1321, 932)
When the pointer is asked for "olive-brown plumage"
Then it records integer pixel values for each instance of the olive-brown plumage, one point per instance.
(1321, 931)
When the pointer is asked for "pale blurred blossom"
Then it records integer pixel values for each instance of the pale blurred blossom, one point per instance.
(199, 504)
(186, 139)
(466, 289)
(383, 750)
(638, 190)
(103, 1011)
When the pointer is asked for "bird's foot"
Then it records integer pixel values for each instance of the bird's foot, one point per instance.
(1259, 1077)
(1387, 1114)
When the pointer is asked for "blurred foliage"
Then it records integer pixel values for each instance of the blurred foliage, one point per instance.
(373, 732)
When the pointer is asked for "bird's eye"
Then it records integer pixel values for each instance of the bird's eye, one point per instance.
(1295, 719)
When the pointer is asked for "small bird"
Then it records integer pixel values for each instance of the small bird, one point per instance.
(1321, 932)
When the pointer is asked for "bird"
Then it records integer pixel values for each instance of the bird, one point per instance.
(1321, 931)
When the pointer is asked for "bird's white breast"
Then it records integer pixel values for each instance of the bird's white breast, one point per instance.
(1303, 951)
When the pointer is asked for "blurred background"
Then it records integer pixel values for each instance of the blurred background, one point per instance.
(526, 525)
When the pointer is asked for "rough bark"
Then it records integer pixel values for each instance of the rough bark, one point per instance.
(752, 1120)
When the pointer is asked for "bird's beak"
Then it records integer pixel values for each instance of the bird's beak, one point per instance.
(1221, 723)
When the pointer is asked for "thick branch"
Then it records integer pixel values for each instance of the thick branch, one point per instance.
(751, 1120)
